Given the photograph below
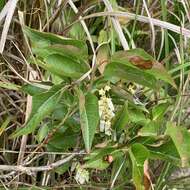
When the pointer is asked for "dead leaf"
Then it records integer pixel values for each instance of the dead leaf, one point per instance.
(102, 58)
(140, 62)
(102, 145)
(147, 179)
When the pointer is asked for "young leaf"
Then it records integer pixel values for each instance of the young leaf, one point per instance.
(181, 138)
(89, 117)
(138, 154)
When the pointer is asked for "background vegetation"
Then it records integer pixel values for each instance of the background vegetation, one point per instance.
(94, 94)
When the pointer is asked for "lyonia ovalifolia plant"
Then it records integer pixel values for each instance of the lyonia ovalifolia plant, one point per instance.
(94, 98)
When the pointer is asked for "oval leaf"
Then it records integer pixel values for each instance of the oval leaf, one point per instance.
(89, 117)
(44, 39)
(64, 66)
(138, 66)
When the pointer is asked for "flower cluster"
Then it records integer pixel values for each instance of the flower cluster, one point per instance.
(82, 175)
(106, 111)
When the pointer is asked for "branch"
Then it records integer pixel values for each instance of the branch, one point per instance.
(166, 25)
(30, 170)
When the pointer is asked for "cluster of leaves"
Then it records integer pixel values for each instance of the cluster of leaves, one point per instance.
(67, 107)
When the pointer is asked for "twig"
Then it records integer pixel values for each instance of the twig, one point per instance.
(53, 153)
(30, 170)
(132, 16)
(9, 175)
(32, 186)
(3, 185)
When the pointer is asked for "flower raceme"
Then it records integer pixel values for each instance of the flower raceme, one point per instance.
(106, 111)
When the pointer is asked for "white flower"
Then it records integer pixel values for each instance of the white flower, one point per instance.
(107, 124)
(106, 111)
(110, 104)
(82, 175)
(108, 128)
(102, 125)
(107, 88)
(102, 92)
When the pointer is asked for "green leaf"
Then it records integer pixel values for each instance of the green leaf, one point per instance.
(68, 51)
(33, 89)
(43, 39)
(2, 3)
(96, 159)
(126, 57)
(63, 139)
(99, 153)
(151, 128)
(137, 66)
(89, 117)
(181, 138)
(40, 110)
(42, 133)
(9, 86)
(122, 118)
(4, 125)
(39, 98)
(99, 164)
(120, 166)
(63, 168)
(165, 151)
(117, 70)
(60, 112)
(137, 116)
(138, 154)
(63, 66)
(160, 72)
(159, 110)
